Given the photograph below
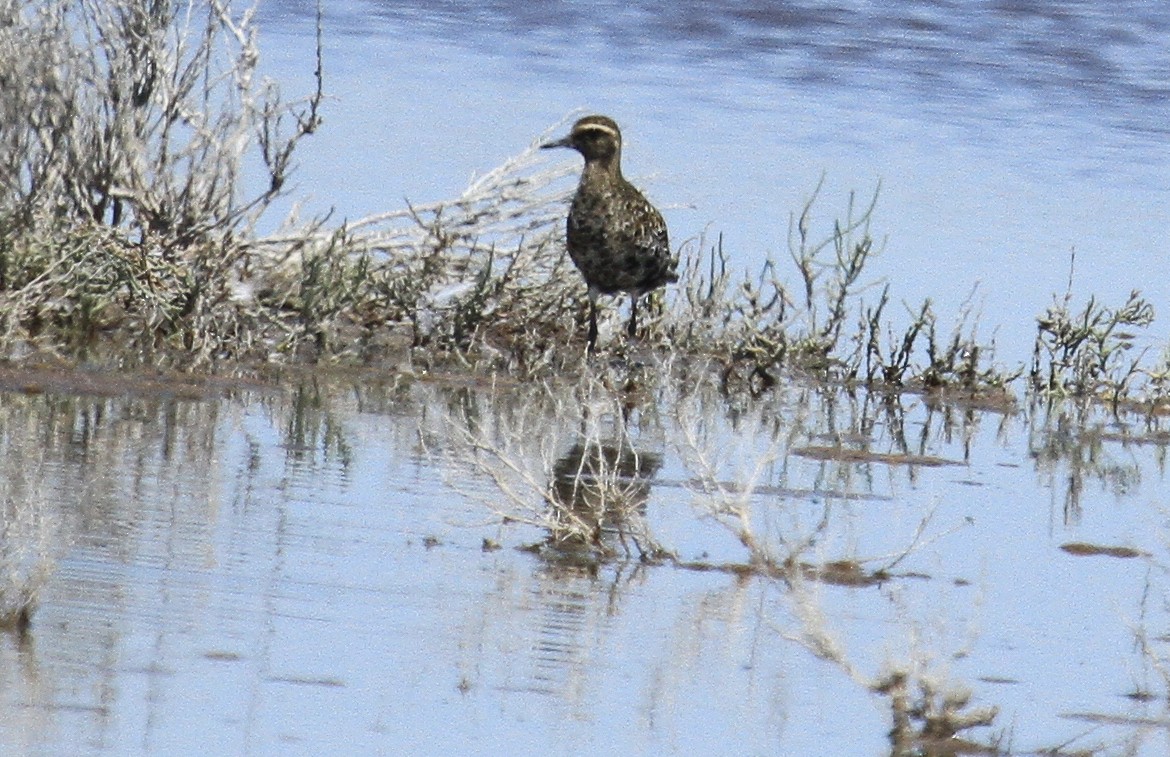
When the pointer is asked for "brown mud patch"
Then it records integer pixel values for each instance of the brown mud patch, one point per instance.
(1083, 549)
(847, 455)
(106, 382)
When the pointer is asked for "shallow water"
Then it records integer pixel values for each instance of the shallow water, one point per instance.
(302, 569)
(1005, 135)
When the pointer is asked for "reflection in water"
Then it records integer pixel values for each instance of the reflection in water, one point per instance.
(37, 437)
(301, 559)
(1073, 446)
(599, 496)
(587, 497)
(30, 533)
(80, 479)
(565, 612)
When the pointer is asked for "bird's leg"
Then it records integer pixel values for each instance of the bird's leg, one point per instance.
(633, 327)
(592, 325)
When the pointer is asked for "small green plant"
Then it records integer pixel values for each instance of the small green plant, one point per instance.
(1088, 353)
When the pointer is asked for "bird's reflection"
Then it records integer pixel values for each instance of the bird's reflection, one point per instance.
(597, 500)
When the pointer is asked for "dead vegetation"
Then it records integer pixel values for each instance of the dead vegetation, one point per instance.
(129, 211)
(128, 235)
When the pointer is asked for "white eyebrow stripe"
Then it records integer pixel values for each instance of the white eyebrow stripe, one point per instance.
(597, 127)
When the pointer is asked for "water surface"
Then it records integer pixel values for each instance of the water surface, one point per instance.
(323, 567)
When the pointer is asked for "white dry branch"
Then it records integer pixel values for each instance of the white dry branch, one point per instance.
(487, 268)
(142, 114)
(510, 209)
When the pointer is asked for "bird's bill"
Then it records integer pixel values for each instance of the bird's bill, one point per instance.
(566, 142)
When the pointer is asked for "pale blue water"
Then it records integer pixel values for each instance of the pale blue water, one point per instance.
(301, 571)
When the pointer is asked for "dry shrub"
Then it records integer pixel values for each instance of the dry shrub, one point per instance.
(126, 209)
(129, 222)
(481, 278)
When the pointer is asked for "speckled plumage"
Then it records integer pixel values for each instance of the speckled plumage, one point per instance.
(615, 237)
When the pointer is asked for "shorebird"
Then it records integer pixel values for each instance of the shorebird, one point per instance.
(616, 238)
